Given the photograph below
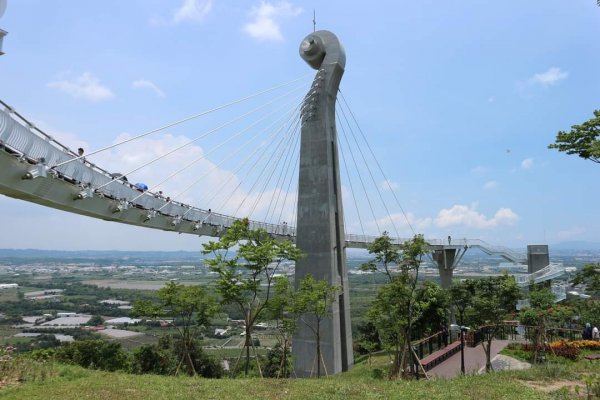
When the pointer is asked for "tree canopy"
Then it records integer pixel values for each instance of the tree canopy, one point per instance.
(495, 299)
(246, 261)
(589, 276)
(399, 304)
(582, 140)
(191, 308)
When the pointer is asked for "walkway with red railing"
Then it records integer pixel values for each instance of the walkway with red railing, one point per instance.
(474, 361)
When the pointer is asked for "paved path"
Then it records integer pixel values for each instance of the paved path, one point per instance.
(474, 361)
(506, 363)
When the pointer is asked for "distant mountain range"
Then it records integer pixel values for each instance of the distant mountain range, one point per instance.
(102, 257)
(576, 245)
(562, 249)
(35, 253)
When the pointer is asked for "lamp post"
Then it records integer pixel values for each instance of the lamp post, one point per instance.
(462, 329)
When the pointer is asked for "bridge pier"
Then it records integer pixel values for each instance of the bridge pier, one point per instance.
(447, 258)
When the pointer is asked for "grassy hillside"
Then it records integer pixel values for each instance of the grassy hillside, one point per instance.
(77, 383)
(55, 381)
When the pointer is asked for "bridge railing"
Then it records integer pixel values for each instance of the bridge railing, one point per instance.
(551, 271)
(21, 136)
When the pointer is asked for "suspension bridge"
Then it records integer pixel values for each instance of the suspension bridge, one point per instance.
(285, 147)
(37, 168)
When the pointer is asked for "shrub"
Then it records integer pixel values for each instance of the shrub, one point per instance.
(275, 367)
(99, 354)
(565, 349)
(561, 349)
(151, 359)
(586, 344)
(203, 364)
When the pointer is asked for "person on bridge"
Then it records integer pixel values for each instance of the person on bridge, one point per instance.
(80, 153)
(141, 187)
(449, 239)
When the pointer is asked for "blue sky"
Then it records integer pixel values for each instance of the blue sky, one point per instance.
(459, 100)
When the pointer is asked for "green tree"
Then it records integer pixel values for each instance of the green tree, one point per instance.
(280, 310)
(95, 320)
(312, 303)
(278, 364)
(495, 299)
(581, 140)
(98, 354)
(588, 311)
(461, 297)
(245, 276)
(535, 317)
(386, 255)
(368, 340)
(389, 313)
(152, 359)
(397, 307)
(433, 302)
(589, 276)
(192, 309)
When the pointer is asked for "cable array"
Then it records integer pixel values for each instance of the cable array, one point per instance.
(363, 159)
(251, 168)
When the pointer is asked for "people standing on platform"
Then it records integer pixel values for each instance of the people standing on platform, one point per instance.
(587, 332)
(449, 240)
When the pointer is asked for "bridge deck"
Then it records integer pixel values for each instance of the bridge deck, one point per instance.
(27, 151)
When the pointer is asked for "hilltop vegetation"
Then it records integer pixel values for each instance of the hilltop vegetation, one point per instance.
(70, 382)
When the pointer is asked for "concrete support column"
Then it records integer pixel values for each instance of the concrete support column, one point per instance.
(444, 258)
(320, 230)
(538, 257)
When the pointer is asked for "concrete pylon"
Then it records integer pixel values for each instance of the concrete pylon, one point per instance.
(320, 230)
(447, 258)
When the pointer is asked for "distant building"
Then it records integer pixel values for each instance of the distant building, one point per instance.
(115, 302)
(68, 321)
(66, 314)
(8, 285)
(122, 320)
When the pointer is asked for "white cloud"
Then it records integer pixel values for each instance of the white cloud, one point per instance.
(145, 84)
(68, 139)
(549, 77)
(461, 215)
(267, 18)
(226, 196)
(192, 11)
(570, 233)
(527, 163)
(490, 185)
(388, 185)
(396, 221)
(86, 86)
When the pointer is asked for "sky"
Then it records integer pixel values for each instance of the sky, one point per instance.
(458, 99)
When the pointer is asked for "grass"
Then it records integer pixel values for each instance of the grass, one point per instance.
(130, 344)
(69, 382)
